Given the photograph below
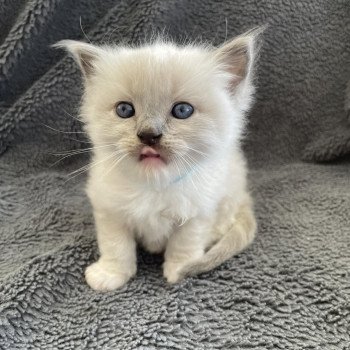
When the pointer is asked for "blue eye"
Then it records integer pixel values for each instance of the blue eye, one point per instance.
(125, 110)
(182, 110)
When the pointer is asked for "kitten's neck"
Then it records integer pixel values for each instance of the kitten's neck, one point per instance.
(182, 177)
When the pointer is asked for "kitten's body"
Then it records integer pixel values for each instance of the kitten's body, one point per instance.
(153, 213)
(191, 200)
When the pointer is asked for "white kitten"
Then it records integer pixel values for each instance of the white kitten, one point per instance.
(167, 168)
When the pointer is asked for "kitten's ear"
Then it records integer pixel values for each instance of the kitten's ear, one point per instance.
(84, 54)
(237, 56)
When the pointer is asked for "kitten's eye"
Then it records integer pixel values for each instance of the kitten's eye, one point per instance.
(182, 110)
(125, 110)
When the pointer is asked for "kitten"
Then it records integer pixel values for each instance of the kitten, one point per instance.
(167, 170)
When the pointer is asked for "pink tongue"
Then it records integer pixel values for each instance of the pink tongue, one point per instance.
(149, 152)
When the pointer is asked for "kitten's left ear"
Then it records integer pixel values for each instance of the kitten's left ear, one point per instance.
(238, 55)
(84, 54)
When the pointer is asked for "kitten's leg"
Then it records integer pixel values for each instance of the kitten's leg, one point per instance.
(237, 232)
(185, 245)
(117, 263)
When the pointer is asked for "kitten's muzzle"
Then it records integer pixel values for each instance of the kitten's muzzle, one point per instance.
(149, 138)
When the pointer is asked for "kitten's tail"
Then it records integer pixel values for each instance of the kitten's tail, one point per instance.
(239, 236)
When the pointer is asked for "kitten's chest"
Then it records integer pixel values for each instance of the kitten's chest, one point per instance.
(151, 211)
(153, 216)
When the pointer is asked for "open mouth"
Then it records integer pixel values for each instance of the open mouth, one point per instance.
(150, 155)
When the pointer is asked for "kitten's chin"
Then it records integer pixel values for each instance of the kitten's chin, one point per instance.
(153, 167)
(150, 158)
(152, 162)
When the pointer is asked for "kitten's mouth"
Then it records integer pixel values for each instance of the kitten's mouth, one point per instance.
(150, 156)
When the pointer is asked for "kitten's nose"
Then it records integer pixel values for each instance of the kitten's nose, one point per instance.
(149, 138)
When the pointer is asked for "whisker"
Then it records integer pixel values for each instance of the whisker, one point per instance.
(193, 161)
(63, 132)
(74, 152)
(81, 141)
(178, 169)
(87, 167)
(190, 167)
(147, 175)
(194, 150)
(72, 116)
(91, 165)
(198, 175)
(60, 160)
(82, 150)
(81, 27)
(197, 151)
(69, 132)
(177, 166)
(115, 163)
(195, 165)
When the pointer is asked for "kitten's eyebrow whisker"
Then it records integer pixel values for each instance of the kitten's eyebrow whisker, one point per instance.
(110, 35)
(81, 27)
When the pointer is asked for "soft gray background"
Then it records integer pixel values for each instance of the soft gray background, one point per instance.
(289, 290)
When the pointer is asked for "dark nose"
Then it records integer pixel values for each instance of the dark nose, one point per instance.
(149, 138)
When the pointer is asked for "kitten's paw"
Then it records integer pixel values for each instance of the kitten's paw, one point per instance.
(171, 272)
(101, 278)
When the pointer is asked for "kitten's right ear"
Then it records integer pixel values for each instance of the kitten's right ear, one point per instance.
(238, 55)
(84, 54)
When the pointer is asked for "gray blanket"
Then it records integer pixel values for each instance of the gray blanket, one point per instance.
(289, 290)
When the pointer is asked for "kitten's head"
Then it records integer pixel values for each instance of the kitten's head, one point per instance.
(163, 109)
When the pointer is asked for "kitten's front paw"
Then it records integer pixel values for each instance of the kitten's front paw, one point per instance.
(171, 272)
(102, 278)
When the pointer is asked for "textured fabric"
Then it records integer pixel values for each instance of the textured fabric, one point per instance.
(289, 290)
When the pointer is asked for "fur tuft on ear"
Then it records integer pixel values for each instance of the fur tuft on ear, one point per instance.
(83, 53)
(238, 55)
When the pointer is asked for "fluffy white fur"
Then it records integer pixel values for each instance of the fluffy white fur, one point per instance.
(196, 207)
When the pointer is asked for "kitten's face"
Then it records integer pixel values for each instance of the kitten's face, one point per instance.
(163, 110)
